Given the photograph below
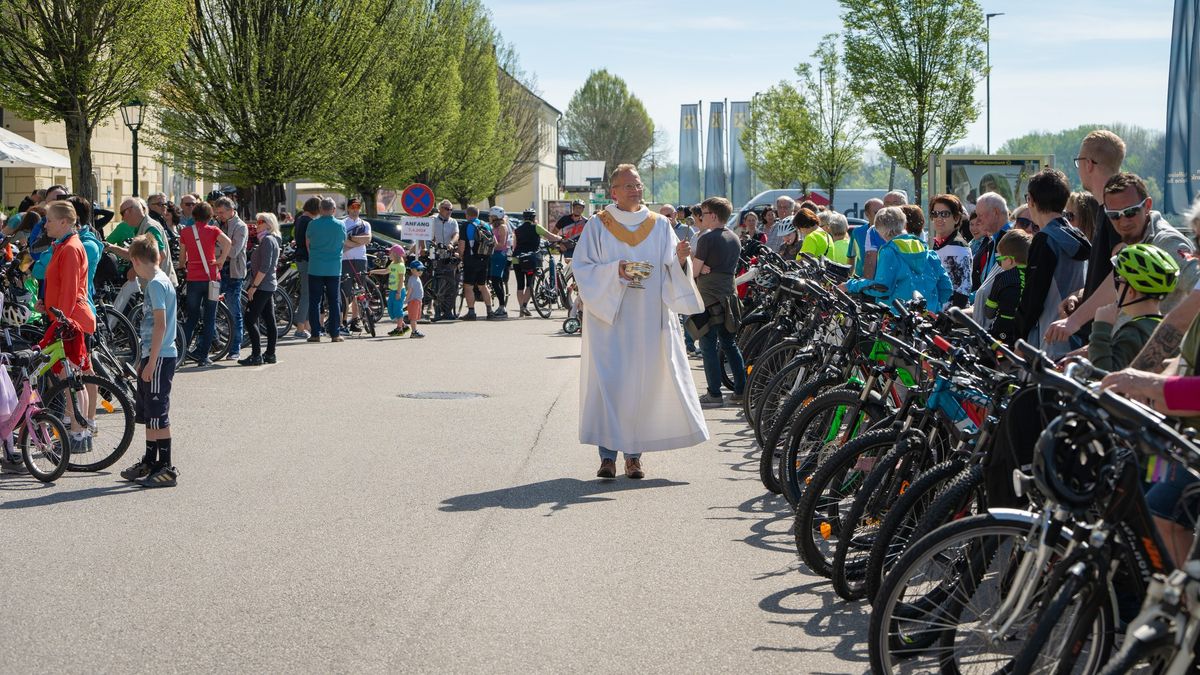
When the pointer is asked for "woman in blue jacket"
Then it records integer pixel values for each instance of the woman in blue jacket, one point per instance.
(905, 266)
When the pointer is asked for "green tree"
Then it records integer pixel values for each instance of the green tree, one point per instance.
(913, 66)
(470, 166)
(270, 91)
(77, 60)
(839, 147)
(779, 137)
(605, 121)
(419, 78)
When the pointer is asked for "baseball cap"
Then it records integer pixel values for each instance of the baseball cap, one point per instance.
(397, 250)
(354, 202)
(496, 212)
(416, 265)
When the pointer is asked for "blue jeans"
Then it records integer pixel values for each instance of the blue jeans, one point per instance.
(330, 288)
(712, 361)
(605, 453)
(197, 299)
(302, 303)
(232, 289)
(688, 342)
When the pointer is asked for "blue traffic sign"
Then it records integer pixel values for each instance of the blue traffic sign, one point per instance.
(417, 200)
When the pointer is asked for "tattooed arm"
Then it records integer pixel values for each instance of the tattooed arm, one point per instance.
(1165, 341)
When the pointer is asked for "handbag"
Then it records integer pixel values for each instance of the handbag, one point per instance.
(214, 287)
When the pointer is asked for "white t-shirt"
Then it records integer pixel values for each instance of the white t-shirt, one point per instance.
(356, 228)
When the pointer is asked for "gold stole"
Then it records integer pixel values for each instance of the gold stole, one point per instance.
(625, 235)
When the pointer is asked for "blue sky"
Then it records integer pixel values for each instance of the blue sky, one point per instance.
(1055, 63)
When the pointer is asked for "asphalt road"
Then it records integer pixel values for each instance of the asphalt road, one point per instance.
(326, 522)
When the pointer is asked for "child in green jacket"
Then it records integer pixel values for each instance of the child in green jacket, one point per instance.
(1144, 274)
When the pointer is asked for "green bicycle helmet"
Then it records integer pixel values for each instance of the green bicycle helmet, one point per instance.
(1147, 269)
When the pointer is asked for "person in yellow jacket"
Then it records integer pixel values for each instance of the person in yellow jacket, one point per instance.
(816, 241)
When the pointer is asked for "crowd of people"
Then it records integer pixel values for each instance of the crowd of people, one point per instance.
(1088, 273)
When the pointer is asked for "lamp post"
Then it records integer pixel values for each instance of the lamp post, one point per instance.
(131, 114)
(988, 21)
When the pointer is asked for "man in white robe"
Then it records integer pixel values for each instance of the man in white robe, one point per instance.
(636, 389)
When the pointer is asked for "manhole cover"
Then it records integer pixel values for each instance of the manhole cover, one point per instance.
(444, 395)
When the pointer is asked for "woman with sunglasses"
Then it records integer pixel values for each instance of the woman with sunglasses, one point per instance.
(946, 214)
(261, 293)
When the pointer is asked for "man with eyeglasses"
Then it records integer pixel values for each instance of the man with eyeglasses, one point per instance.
(570, 226)
(445, 263)
(233, 272)
(158, 207)
(636, 389)
(1126, 208)
(186, 204)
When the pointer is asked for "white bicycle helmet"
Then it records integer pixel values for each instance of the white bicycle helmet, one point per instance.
(16, 310)
(784, 227)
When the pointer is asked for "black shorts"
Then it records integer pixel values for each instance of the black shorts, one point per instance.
(152, 401)
(527, 269)
(475, 270)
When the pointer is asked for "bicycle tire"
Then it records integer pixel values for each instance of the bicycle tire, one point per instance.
(951, 503)
(771, 453)
(61, 459)
(368, 318)
(1050, 618)
(113, 401)
(805, 452)
(285, 312)
(818, 515)
(543, 298)
(892, 611)
(118, 333)
(759, 377)
(793, 375)
(895, 533)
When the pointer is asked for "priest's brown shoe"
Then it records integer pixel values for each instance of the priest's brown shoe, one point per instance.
(608, 469)
(633, 468)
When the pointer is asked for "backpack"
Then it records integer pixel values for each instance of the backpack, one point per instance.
(485, 240)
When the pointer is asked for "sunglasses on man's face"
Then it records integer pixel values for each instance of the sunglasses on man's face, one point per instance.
(1126, 213)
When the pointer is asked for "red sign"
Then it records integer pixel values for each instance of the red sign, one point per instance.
(417, 200)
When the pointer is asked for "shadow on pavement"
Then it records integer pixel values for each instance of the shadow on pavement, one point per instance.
(62, 496)
(563, 356)
(558, 494)
(833, 619)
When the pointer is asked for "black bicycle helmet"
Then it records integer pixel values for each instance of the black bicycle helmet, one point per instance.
(528, 214)
(1067, 461)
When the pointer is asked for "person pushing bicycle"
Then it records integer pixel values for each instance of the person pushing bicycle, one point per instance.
(527, 242)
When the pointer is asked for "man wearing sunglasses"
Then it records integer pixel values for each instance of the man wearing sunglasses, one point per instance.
(1127, 206)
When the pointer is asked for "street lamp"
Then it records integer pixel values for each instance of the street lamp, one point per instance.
(131, 113)
(988, 20)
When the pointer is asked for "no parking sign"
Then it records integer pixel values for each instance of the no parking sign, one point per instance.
(417, 200)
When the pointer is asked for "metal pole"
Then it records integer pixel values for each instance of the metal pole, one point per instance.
(988, 21)
(135, 164)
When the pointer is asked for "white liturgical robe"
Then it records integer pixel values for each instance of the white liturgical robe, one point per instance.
(636, 388)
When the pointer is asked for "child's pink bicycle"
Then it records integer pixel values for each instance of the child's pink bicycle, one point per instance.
(40, 435)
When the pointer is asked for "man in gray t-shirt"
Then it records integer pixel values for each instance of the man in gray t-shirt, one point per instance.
(234, 272)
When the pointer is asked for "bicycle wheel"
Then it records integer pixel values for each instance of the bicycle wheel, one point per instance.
(114, 420)
(827, 423)
(784, 382)
(46, 452)
(894, 535)
(1155, 648)
(544, 297)
(368, 317)
(284, 312)
(829, 493)
(1072, 626)
(118, 333)
(759, 375)
(773, 450)
(935, 609)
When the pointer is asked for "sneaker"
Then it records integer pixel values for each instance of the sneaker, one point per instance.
(737, 399)
(251, 361)
(526, 312)
(314, 338)
(138, 471)
(469, 316)
(710, 401)
(233, 356)
(696, 355)
(204, 363)
(268, 358)
(303, 334)
(502, 313)
(417, 334)
(395, 332)
(633, 468)
(81, 442)
(13, 465)
(343, 331)
(337, 338)
(404, 331)
(164, 476)
(491, 315)
(355, 326)
(608, 469)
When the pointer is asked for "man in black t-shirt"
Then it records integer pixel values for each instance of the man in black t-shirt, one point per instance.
(715, 264)
(312, 207)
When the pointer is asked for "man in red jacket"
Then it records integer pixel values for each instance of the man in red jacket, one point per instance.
(66, 290)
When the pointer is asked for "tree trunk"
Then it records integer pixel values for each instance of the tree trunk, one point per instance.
(916, 187)
(263, 197)
(369, 198)
(79, 149)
